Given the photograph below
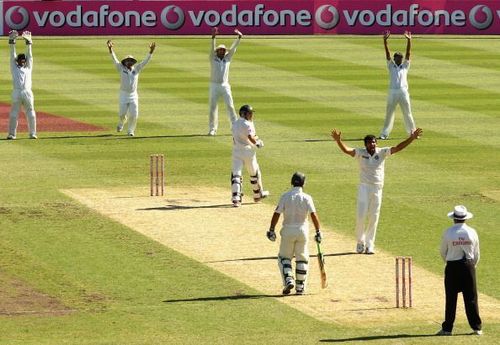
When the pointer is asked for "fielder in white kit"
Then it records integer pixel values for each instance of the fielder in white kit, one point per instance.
(295, 206)
(398, 88)
(220, 60)
(245, 141)
(129, 98)
(371, 165)
(21, 67)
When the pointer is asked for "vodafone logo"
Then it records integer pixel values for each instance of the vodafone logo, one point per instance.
(487, 17)
(17, 18)
(322, 12)
(172, 17)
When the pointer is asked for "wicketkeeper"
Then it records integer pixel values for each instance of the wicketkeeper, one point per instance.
(295, 206)
(129, 98)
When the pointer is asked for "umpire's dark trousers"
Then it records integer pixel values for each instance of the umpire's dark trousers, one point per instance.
(460, 276)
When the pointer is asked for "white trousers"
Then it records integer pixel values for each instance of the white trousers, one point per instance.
(294, 243)
(128, 111)
(246, 157)
(22, 98)
(368, 212)
(217, 91)
(395, 97)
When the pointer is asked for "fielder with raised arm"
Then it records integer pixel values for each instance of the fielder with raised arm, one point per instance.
(371, 181)
(295, 206)
(245, 141)
(129, 98)
(398, 88)
(220, 60)
(21, 67)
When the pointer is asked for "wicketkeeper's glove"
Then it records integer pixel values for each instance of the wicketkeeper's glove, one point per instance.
(271, 235)
(318, 237)
(259, 143)
(27, 37)
(12, 36)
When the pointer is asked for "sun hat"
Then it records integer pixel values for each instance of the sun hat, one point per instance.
(460, 213)
(129, 58)
(221, 46)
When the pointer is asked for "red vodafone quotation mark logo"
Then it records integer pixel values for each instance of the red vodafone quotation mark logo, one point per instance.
(167, 17)
(320, 15)
(17, 12)
(487, 15)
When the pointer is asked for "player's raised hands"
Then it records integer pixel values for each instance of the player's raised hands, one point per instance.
(336, 134)
(27, 37)
(152, 47)
(238, 32)
(215, 31)
(110, 45)
(408, 35)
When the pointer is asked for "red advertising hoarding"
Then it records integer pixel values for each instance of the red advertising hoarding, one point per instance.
(299, 17)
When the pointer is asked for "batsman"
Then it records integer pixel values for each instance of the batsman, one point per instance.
(295, 206)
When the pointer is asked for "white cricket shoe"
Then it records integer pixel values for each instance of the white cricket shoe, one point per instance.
(33, 136)
(478, 332)
(212, 133)
(131, 134)
(264, 194)
(11, 137)
(119, 128)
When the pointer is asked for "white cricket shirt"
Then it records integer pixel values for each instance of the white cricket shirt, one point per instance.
(21, 76)
(241, 129)
(398, 75)
(219, 68)
(458, 241)
(371, 168)
(295, 206)
(129, 78)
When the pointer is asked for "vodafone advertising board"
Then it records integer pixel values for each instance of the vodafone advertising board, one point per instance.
(299, 17)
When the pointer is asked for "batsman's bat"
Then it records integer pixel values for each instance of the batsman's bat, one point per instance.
(321, 262)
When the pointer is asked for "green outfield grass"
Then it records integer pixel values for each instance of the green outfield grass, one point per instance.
(115, 281)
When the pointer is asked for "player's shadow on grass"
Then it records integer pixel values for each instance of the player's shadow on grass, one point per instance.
(273, 258)
(189, 207)
(222, 298)
(382, 337)
(121, 137)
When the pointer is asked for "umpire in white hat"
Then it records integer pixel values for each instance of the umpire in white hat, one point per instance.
(460, 251)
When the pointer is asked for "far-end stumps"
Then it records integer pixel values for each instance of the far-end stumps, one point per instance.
(157, 174)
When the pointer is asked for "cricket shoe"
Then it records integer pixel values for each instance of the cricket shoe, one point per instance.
(443, 332)
(130, 134)
(383, 137)
(477, 332)
(119, 128)
(369, 251)
(360, 248)
(264, 194)
(212, 133)
(236, 203)
(33, 136)
(11, 137)
(288, 287)
(299, 291)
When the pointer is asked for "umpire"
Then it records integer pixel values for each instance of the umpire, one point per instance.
(460, 250)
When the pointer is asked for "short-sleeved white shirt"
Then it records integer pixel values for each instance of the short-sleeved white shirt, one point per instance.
(371, 168)
(296, 206)
(398, 75)
(458, 241)
(241, 129)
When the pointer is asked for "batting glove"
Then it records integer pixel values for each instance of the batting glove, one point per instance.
(12, 36)
(271, 235)
(318, 237)
(259, 143)
(27, 37)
